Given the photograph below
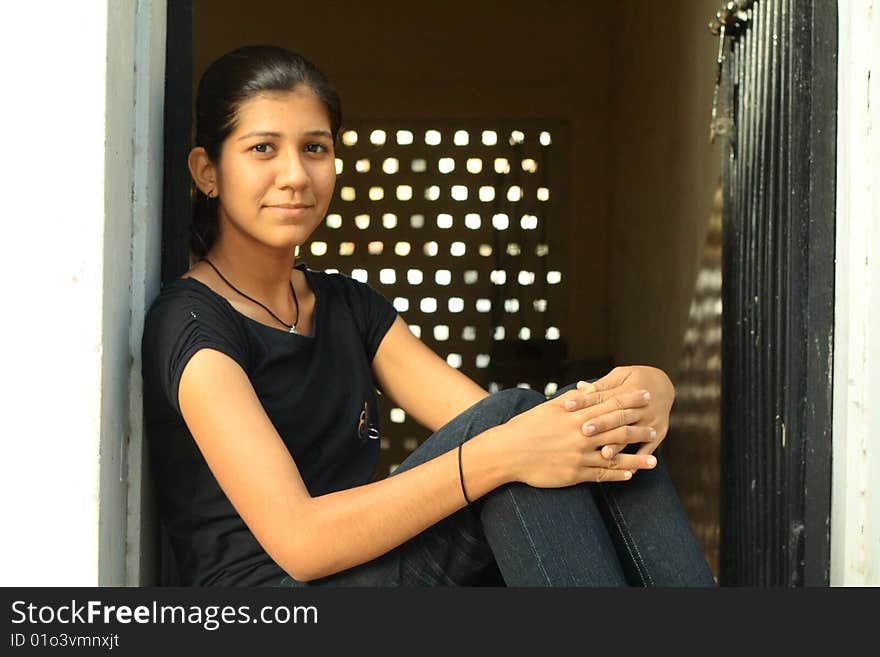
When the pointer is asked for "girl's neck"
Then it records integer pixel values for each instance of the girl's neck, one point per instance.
(259, 271)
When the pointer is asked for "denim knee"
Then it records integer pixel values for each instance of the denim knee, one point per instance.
(491, 411)
(499, 407)
(510, 402)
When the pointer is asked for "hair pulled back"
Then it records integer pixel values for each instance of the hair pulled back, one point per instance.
(225, 86)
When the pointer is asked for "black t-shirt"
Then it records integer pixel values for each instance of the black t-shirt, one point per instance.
(318, 391)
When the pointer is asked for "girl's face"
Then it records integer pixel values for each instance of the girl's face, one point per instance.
(277, 169)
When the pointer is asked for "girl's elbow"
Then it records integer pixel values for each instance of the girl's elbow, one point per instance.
(295, 571)
(303, 559)
(299, 565)
(306, 570)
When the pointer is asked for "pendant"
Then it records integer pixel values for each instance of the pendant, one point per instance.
(292, 329)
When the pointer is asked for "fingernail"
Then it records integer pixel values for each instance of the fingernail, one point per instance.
(653, 434)
(581, 384)
(570, 404)
(627, 474)
(647, 395)
(590, 429)
(606, 452)
(652, 461)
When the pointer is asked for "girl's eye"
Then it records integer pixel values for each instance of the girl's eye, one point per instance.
(316, 148)
(261, 148)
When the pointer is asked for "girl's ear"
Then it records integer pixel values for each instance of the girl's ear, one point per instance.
(202, 171)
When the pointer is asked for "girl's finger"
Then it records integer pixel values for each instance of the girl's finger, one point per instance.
(612, 420)
(576, 400)
(648, 448)
(611, 398)
(610, 451)
(585, 386)
(600, 475)
(629, 462)
(625, 435)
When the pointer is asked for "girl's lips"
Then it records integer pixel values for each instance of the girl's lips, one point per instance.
(290, 210)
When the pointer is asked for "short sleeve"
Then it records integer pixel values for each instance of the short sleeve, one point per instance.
(373, 314)
(181, 322)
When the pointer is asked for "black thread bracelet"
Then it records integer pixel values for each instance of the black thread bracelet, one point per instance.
(461, 475)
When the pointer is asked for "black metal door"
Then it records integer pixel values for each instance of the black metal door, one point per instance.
(178, 120)
(777, 116)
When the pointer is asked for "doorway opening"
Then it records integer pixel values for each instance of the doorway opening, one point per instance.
(573, 246)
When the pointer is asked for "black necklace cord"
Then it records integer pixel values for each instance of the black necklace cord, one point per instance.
(290, 327)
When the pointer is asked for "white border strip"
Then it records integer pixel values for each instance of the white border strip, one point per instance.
(855, 500)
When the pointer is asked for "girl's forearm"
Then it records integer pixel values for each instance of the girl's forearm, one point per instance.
(344, 529)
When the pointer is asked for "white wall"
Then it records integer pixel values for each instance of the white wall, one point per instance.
(855, 512)
(71, 195)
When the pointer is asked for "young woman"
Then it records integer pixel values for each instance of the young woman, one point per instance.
(260, 379)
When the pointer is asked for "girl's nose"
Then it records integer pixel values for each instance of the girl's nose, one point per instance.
(292, 172)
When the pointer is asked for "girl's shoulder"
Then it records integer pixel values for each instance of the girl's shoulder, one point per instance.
(185, 317)
(187, 290)
(339, 283)
(186, 299)
(369, 310)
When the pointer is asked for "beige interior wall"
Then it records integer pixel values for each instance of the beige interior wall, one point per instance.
(468, 60)
(634, 80)
(665, 172)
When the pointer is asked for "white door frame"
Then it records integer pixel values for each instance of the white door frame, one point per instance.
(855, 498)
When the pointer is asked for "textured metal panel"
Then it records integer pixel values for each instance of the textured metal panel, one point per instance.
(777, 297)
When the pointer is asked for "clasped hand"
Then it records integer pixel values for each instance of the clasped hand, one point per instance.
(579, 435)
(646, 424)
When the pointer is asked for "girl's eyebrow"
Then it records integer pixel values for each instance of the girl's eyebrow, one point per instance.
(277, 135)
(260, 133)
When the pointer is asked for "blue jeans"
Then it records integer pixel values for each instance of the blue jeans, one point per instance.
(632, 533)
